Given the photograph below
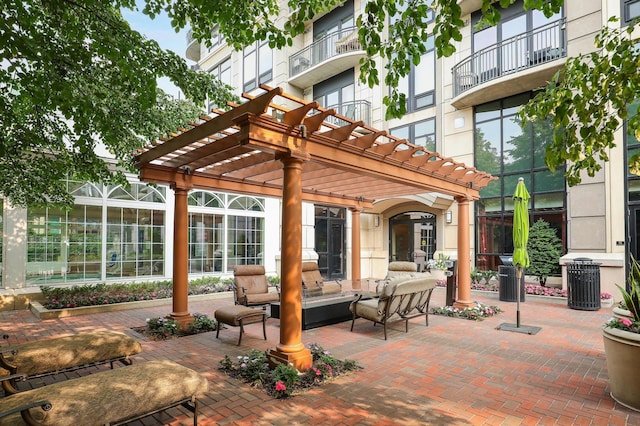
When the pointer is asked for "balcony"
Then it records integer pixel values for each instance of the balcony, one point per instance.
(355, 110)
(193, 47)
(523, 62)
(326, 57)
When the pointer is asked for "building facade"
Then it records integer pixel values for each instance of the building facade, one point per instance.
(462, 107)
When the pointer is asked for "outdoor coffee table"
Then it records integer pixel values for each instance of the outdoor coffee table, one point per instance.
(321, 311)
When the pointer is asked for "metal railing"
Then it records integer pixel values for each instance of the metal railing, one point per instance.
(333, 44)
(524, 51)
(355, 110)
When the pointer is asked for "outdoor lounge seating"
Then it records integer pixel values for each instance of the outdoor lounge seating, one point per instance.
(251, 287)
(62, 354)
(109, 397)
(240, 316)
(398, 269)
(313, 284)
(401, 298)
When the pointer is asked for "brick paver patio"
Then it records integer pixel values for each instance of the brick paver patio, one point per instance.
(454, 372)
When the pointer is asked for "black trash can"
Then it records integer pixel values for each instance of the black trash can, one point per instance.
(508, 278)
(583, 284)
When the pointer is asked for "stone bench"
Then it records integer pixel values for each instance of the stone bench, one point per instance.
(110, 397)
(63, 354)
(238, 315)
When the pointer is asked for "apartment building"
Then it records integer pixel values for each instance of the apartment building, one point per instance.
(462, 107)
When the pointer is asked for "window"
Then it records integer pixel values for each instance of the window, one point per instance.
(205, 242)
(64, 246)
(245, 240)
(222, 72)
(422, 133)
(217, 39)
(504, 48)
(630, 10)
(337, 92)
(505, 150)
(420, 84)
(258, 65)
(135, 242)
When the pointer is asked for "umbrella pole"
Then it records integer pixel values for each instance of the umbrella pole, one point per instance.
(518, 277)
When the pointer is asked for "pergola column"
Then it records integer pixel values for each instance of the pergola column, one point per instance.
(464, 258)
(181, 258)
(291, 350)
(356, 278)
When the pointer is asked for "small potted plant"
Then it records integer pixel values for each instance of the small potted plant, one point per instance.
(438, 267)
(606, 300)
(621, 336)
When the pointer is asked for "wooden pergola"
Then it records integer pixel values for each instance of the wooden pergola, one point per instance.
(278, 145)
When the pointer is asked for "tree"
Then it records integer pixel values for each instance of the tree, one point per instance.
(73, 73)
(545, 249)
(587, 100)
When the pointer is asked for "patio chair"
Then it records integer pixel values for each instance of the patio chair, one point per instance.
(251, 287)
(313, 284)
(398, 269)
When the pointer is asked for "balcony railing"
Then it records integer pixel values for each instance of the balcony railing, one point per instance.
(333, 44)
(524, 51)
(355, 110)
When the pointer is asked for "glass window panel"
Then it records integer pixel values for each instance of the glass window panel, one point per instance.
(632, 10)
(489, 205)
(549, 201)
(516, 153)
(401, 132)
(425, 73)
(488, 153)
(491, 190)
(490, 234)
(487, 111)
(542, 136)
(634, 190)
(545, 180)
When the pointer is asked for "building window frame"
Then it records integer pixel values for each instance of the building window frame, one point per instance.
(412, 133)
(257, 65)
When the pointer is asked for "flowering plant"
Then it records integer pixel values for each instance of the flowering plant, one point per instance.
(630, 301)
(475, 313)
(604, 296)
(441, 263)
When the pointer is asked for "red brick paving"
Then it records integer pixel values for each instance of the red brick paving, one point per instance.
(454, 372)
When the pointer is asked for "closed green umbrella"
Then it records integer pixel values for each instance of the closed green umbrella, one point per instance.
(520, 234)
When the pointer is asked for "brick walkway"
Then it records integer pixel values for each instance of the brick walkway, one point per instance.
(454, 372)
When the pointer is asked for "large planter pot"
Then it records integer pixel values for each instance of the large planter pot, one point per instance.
(622, 350)
(621, 313)
(439, 274)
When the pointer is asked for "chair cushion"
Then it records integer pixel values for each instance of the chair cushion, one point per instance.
(372, 309)
(110, 396)
(44, 356)
(262, 298)
(231, 315)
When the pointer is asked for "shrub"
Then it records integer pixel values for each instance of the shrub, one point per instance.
(284, 380)
(201, 324)
(162, 327)
(545, 249)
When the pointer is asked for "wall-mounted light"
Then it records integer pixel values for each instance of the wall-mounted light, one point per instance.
(449, 216)
(376, 220)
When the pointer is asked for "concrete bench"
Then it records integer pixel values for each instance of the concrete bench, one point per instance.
(240, 316)
(110, 397)
(63, 354)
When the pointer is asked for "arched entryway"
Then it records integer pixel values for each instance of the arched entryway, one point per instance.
(409, 232)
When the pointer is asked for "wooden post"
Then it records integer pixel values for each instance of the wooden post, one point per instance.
(464, 257)
(181, 258)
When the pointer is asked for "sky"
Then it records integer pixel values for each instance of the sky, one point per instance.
(159, 29)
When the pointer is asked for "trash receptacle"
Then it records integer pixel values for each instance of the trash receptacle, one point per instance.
(508, 278)
(583, 284)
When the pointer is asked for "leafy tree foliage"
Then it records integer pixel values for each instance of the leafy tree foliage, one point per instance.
(74, 74)
(545, 249)
(587, 100)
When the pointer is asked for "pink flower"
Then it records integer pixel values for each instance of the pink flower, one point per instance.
(280, 386)
(318, 372)
(626, 321)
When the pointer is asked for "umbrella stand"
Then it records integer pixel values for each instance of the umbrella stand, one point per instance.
(526, 329)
